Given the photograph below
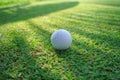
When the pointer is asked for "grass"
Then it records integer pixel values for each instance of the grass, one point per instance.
(26, 51)
(10, 2)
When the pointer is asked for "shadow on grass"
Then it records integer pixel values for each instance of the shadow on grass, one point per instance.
(108, 40)
(19, 13)
(43, 34)
(16, 61)
(97, 19)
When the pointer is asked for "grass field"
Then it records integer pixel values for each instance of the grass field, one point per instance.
(26, 52)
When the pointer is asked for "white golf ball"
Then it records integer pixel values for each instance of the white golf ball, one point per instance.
(61, 39)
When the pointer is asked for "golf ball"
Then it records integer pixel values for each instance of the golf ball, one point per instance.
(61, 39)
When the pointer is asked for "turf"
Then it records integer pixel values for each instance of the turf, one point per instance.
(26, 51)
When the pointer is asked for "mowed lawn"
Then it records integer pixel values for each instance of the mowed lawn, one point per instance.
(26, 52)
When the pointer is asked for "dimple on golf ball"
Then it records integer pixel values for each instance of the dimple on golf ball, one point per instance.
(61, 39)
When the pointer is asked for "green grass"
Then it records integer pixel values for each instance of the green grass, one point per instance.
(26, 51)
(10, 2)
